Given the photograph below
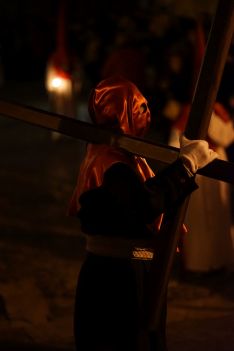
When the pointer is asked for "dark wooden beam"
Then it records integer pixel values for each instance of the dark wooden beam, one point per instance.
(163, 154)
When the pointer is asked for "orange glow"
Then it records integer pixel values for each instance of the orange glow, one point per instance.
(58, 82)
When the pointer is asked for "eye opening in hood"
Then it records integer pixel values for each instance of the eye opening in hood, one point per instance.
(117, 103)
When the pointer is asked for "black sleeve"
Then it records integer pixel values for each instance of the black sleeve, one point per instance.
(169, 187)
(157, 195)
(125, 204)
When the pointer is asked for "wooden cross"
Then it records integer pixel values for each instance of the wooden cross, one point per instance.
(202, 105)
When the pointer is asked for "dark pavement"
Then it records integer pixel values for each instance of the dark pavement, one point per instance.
(41, 250)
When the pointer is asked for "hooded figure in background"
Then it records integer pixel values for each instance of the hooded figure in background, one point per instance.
(119, 202)
(209, 247)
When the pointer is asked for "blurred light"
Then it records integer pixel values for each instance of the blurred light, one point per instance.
(57, 82)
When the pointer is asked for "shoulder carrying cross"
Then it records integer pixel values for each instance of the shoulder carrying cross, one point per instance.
(204, 98)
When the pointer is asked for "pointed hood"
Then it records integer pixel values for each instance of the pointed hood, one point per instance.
(116, 102)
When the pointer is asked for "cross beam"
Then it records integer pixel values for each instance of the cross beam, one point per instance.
(218, 169)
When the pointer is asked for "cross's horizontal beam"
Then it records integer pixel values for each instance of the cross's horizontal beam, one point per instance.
(218, 169)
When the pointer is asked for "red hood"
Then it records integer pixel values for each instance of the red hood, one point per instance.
(115, 103)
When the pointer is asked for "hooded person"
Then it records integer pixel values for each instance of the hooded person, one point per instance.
(209, 246)
(119, 202)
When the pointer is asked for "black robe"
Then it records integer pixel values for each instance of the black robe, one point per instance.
(111, 291)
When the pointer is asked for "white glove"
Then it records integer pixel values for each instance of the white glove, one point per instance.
(196, 153)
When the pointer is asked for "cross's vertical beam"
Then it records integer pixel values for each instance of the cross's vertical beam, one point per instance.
(204, 98)
(212, 69)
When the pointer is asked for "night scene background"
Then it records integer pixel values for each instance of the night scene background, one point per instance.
(158, 44)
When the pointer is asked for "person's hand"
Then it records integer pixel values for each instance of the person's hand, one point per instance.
(196, 154)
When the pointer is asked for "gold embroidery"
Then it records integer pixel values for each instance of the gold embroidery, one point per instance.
(142, 253)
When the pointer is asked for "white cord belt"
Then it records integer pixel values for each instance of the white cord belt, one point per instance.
(119, 247)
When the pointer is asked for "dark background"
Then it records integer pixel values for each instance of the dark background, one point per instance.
(40, 247)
